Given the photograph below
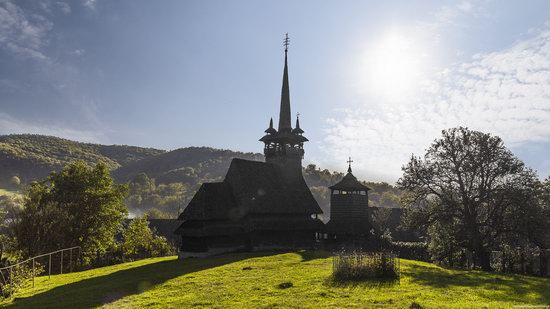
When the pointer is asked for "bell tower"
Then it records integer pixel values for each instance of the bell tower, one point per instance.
(285, 146)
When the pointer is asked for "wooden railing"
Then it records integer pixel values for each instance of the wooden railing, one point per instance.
(7, 273)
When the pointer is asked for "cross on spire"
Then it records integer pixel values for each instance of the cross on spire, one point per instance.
(286, 42)
(349, 164)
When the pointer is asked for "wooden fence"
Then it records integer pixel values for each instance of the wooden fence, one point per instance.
(13, 276)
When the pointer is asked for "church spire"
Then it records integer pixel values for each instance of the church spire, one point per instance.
(270, 130)
(284, 114)
(349, 164)
(297, 128)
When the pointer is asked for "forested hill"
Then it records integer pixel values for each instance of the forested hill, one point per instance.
(161, 183)
(32, 157)
(187, 165)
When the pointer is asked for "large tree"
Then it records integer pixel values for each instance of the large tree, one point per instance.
(471, 187)
(78, 206)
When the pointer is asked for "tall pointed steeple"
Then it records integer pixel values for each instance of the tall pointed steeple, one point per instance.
(285, 147)
(284, 114)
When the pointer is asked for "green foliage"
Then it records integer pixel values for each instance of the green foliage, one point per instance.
(223, 282)
(470, 192)
(10, 206)
(79, 206)
(158, 202)
(19, 277)
(139, 241)
(33, 157)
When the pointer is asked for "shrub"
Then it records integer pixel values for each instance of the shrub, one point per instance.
(411, 250)
(365, 265)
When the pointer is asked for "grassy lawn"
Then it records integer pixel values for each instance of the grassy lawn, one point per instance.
(252, 280)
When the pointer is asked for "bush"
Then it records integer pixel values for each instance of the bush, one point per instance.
(20, 277)
(411, 250)
(142, 242)
(365, 265)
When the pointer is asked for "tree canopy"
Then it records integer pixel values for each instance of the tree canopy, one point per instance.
(78, 206)
(471, 192)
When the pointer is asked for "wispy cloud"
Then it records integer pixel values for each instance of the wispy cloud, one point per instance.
(506, 93)
(11, 125)
(90, 4)
(23, 33)
(64, 7)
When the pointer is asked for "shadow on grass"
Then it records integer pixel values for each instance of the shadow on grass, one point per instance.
(515, 287)
(96, 291)
(374, 283)
(308, 255)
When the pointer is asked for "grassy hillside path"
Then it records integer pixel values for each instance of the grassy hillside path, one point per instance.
(252, 280)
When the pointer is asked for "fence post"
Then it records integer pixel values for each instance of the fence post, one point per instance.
(33, 272)
(11, 281)
(50, 266)
(71, 260)
(61, 261)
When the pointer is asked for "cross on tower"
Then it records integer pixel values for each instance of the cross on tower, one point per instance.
(349, 164)
(286, 42)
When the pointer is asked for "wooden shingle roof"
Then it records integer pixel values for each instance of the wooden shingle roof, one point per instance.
(261, 188)
(349, 183)
(213, 201)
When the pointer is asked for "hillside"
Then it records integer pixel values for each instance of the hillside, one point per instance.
(174, 176)
(184, 165)
(251, 280)
(32, 157)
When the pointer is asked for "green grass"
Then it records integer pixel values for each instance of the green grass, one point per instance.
(254, 280)
(7, 193)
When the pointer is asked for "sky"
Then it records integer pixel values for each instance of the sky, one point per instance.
(374, 80)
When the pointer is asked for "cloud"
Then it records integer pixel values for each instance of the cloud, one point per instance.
(64, 7)
(506, 93)
(91, 4)
(22, 33)
(11, 125)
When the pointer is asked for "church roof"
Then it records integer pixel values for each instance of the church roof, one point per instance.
(284, 138)
(261, 188)
(213, 201)
(349, 183)
(250, 187)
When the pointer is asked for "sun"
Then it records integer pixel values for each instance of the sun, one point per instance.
(392, 67)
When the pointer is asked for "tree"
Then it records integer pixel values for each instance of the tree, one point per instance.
(78, 206)
(15, 182)
(470, 180)
(140, 241)
(10, 206)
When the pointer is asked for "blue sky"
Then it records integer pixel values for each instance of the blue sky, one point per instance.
(373, 80)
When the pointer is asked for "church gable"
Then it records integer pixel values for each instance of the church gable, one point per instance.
(213, 201)
(260, 188)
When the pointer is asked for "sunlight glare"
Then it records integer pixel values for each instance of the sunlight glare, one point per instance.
(393, 67)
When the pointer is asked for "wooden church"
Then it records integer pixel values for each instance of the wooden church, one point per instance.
(259, 205)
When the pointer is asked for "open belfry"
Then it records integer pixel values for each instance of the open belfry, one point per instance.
(259, 205)
(349, 209)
